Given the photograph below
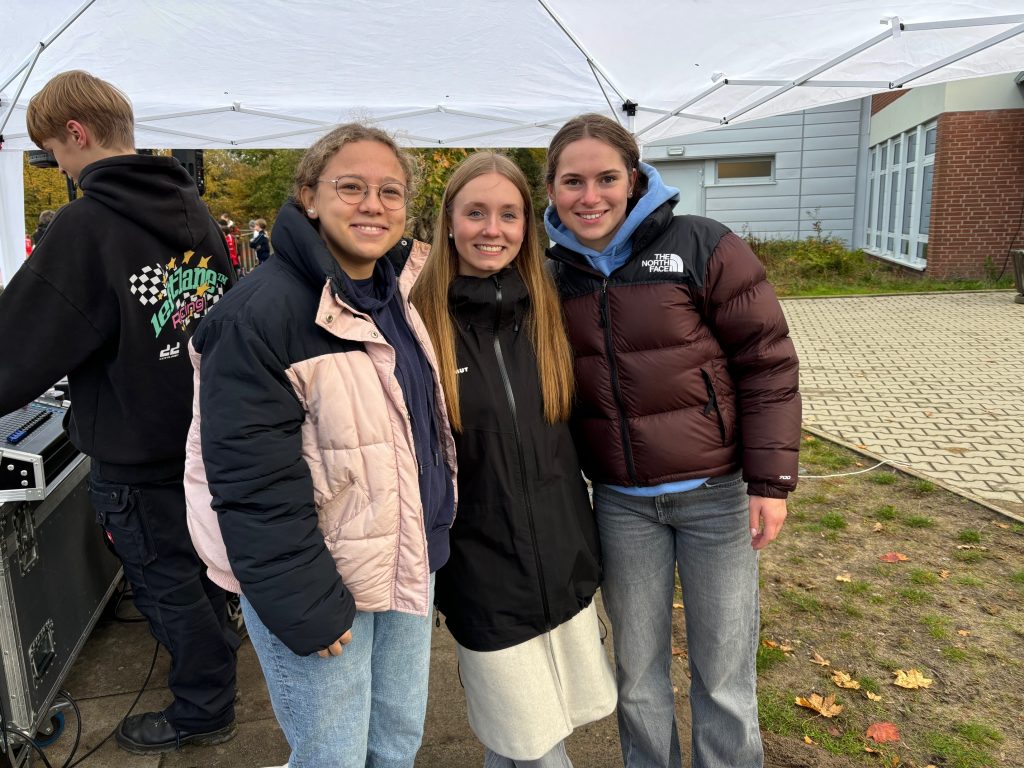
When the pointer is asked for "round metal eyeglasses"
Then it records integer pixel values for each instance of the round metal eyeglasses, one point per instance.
(353, 190)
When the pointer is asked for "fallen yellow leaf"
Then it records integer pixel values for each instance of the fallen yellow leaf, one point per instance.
(826, 707)
(872, 696)
(964, 632)
(769, 643)
(911, 679)
(844, 576)
(677, 605)
(808, 740)
(944, 574)
(1004, 526)
(786, 648)
(819, 660)
(843, 680)
(877, 528)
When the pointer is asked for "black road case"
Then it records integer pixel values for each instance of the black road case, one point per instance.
(56, 575)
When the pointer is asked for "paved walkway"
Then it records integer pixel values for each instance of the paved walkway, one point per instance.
(934, 380)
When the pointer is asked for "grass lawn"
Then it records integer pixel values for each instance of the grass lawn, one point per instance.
(832, 605)
(824, 267)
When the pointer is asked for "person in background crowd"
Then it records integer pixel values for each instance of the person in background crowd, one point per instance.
(685, 374)
(260, 243)
(44, 221)
(323, 489)
(517, 593)
(230, 240)
(28, 246)
(102, 301)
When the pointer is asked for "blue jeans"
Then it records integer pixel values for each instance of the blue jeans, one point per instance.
(706, 533)
(553, 758)
(364, 708)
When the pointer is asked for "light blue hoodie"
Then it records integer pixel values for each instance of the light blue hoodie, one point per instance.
(615, 254)
(618, 251)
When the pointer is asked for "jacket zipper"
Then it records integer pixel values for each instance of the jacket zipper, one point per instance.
(616, 389)
(519, 450)
(712, 406)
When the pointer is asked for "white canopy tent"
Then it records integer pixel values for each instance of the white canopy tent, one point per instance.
(276, 73)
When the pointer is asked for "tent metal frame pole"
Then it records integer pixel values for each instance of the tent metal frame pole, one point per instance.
(190, 113)
(871, 43)
(596, 70)
(17, 94)
(687, 115)
(497, 131)
(816, 83)
(678, 110)
(185, 134)
(958, 23)
(289, 118)
(48, 41)
(480, 116)
(963, 54)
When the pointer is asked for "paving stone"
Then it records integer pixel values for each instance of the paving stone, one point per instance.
(910, 376)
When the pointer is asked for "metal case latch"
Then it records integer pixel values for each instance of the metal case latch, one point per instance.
(25, 536)
(42, 651)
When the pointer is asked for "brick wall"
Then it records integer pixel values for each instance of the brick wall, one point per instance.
(881, 100)
(977, 192)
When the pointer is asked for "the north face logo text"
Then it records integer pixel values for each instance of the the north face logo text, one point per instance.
(664, 262)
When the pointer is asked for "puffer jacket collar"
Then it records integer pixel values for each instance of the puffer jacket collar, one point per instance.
(297, 243)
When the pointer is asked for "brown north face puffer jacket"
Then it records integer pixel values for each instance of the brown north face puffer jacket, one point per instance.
(684, 364)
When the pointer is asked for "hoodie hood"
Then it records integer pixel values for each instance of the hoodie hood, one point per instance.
(618, 251)
(154, 192)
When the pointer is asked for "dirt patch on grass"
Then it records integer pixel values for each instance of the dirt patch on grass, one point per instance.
(951, 610)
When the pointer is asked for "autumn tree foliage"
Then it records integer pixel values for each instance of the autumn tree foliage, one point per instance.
(254, 183)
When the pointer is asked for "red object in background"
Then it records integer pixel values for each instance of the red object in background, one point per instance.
(232, 249)
(28, 246)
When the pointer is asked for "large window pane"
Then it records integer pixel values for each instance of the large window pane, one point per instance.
(912, 146)
(885, 150)
(929, 140)
(908, 199)
(896, 153)
(872, 203)
(881, 202)
(926, 198)
(895, 177)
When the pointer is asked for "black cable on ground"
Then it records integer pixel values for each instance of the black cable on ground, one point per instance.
(1009, 251)
(78, 731)
(30, 742)
(152, 666)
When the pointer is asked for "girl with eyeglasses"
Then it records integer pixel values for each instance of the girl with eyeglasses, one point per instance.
(688, 423)
(517, 593)
(321, 465)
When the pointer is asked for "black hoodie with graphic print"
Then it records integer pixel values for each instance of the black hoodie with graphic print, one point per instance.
(110, 298)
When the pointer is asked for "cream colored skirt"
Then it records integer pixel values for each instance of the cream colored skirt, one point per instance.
(525, 699)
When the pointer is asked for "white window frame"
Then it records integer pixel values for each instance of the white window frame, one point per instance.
(887, 240)
(743, 181)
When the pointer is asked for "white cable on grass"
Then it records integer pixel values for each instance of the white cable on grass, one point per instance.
(857, 472)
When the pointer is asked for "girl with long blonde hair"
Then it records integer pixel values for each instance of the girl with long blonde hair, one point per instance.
(518, 588)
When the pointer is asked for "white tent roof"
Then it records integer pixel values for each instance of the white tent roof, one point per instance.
(276, 73)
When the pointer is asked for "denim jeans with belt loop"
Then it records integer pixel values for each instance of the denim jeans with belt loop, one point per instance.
(705, 533)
